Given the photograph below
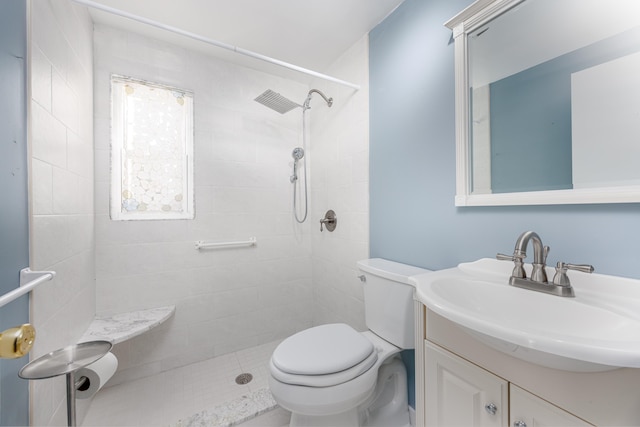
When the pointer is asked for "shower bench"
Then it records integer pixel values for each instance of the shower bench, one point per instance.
(124, 326)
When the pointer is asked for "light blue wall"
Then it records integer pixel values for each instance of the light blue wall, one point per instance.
(412, 166)
(14, 250)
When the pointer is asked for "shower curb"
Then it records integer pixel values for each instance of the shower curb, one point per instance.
(233, 412)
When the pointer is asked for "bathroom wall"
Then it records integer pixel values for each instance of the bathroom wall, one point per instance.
(14, 222)
(339, 156)
(226, 299)
(413, 217)
(61, 173)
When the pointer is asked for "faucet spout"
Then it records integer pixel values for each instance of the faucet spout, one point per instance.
(523, 242)
(540, 252)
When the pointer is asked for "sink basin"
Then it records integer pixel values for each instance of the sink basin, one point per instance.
(598, 330)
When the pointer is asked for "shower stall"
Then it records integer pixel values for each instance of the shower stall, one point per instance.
(226, 299)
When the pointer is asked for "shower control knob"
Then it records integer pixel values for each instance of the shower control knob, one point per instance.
(330, 221)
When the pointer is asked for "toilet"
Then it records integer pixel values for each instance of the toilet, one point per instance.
(333, 375)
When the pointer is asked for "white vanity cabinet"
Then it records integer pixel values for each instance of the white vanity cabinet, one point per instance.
(462, 382)
(459, 393)
(573, 358)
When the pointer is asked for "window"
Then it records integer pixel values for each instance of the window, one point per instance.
(151, 151)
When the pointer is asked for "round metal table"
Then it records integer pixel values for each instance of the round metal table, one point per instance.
(66, 361)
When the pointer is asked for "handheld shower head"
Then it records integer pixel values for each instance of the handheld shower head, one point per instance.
(297, 154)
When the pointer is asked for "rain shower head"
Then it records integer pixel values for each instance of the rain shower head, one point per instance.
(276, 102)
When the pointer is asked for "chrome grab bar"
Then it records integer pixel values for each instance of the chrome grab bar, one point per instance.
(29, 280)
(200, 244)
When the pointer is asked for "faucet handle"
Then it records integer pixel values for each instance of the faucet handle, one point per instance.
(545, 252)
(518, 269)
(561, 277)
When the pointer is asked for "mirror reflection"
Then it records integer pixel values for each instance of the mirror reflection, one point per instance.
(554, 89)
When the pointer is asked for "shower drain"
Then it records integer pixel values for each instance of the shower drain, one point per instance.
(244, 378)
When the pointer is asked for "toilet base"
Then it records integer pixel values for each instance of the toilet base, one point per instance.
(386, 407)
(349, 418)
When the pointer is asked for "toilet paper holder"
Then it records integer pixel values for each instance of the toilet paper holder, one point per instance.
(81, 383)
(66, 361)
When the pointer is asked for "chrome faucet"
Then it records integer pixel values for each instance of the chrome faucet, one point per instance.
(540, 252)
(538, 281)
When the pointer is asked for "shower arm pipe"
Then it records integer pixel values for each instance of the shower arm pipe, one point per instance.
(236, 49)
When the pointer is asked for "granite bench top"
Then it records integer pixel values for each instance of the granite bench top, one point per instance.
(121, 327)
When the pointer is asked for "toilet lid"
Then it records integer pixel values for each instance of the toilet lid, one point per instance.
(322, 350)
(326, 380)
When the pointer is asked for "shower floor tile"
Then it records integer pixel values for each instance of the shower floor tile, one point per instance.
(178, 394)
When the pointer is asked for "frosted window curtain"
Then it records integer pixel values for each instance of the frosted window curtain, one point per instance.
(151, 151)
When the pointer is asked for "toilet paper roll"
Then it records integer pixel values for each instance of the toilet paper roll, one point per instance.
(97, 374)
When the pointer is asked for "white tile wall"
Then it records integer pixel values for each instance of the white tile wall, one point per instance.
(61, 169)
(226, 299)
(339, 152)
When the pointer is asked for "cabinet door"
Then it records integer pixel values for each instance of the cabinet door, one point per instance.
(459, 393)
(528, 410)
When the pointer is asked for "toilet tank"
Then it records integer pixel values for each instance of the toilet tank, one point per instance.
(388, 300)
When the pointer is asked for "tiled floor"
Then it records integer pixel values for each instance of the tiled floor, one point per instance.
(166, 398)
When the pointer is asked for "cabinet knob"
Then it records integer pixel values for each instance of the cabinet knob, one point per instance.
(491, 408)
(519, 423)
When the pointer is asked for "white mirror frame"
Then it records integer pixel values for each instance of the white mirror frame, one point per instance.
(465, 22)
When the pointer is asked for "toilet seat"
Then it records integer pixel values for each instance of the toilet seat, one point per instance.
(323, 356)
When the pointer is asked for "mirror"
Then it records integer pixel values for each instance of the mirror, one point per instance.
(547, 102)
